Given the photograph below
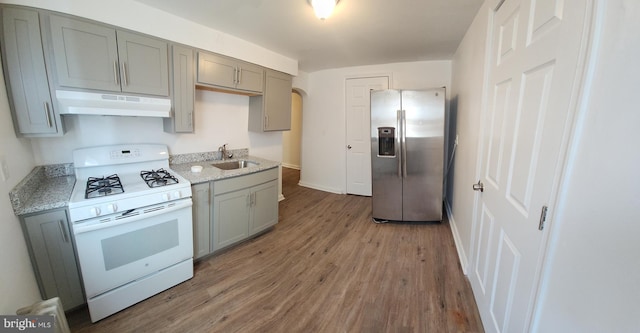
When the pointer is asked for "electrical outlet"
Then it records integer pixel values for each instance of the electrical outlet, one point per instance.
(4, 169)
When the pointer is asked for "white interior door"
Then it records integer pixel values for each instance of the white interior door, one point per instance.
(358, 113)
(535, 56)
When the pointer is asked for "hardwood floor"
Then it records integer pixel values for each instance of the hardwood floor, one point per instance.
(325, 267)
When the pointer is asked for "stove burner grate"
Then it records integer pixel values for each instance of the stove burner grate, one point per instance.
(157, 178)
(103, 186)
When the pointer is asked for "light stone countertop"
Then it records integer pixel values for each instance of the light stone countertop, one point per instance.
(209, 172)
(44, 188)
(50, 186)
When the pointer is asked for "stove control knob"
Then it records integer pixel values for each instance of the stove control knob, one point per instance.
(112, 208)
(177, 194)
(95, 211)
(166, 196)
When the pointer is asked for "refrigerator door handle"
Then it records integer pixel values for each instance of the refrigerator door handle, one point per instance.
(399, 140)
(403, 145)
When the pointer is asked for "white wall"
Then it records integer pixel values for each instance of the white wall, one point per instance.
(323, 123)
(18, 286)
(467, 96)
(219, 118)
(139, 17)
(592, 274)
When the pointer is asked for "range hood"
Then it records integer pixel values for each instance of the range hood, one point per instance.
(79, 102)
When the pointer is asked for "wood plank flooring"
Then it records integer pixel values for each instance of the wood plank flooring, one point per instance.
(325, 267)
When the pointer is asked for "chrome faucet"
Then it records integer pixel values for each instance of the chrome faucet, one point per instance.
(223, 152)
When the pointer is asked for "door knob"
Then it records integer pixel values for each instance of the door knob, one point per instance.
(348, 146)
(478, 187)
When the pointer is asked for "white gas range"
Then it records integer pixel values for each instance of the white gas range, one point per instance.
(132, 223)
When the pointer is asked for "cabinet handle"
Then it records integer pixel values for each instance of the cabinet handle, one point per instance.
(235, 75)
(46, 113)
(248, 200)
(115, 73)
(266, 121)
(124, 74)
(239, 75)
(65, 238)
(253, 199)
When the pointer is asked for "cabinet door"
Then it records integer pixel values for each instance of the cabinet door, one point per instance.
(250, 77)
(264, 212)
(86, 55)
(216, 70)
(25, 73)
(277, 101)
(53, 257)
(144, 64)
(272, 110)
(183, 90)
(201, 220)
(230, 218)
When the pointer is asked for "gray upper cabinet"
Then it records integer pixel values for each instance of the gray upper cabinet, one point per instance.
(228, 73)
(86, 55)
(144, 64)
(94, 56)
(183, 86)
(53, 258)
(26, 76)
(272, 110)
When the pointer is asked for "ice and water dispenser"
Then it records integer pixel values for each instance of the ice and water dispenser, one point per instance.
(387, 141)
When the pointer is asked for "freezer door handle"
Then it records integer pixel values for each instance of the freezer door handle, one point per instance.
(404, 144)
(399, 140)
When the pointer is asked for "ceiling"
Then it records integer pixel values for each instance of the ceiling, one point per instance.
(360, 32)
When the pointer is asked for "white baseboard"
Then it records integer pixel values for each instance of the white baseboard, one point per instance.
(464, 262)
(280, 197)
(290, 166)
(320, 188)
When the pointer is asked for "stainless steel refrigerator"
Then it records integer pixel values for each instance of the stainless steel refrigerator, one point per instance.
(407, 154)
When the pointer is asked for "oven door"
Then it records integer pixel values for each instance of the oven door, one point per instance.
(122, 248)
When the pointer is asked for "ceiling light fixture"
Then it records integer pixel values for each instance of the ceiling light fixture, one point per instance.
(323, 8)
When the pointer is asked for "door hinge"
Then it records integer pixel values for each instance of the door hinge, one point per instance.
(543, 217)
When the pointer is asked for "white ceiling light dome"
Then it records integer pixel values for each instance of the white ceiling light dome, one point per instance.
(323, 8)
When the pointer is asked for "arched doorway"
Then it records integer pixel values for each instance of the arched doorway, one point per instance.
(292, 140)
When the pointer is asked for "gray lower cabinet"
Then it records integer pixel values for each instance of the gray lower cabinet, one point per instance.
(231, 218)
(227, 73)
(53, 258)
(264, 211)
(228, 211)
(272, 110)
(25, 74)
(183, 69)
(201, 219)
(243, 206)
(94, 56)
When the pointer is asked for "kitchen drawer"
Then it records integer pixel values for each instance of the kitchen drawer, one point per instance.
(244, 181)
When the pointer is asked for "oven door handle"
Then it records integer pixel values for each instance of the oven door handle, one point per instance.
(128, 217)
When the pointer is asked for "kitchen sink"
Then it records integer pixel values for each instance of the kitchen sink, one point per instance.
(232, 165)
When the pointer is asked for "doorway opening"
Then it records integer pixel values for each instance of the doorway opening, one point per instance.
(292, 139)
